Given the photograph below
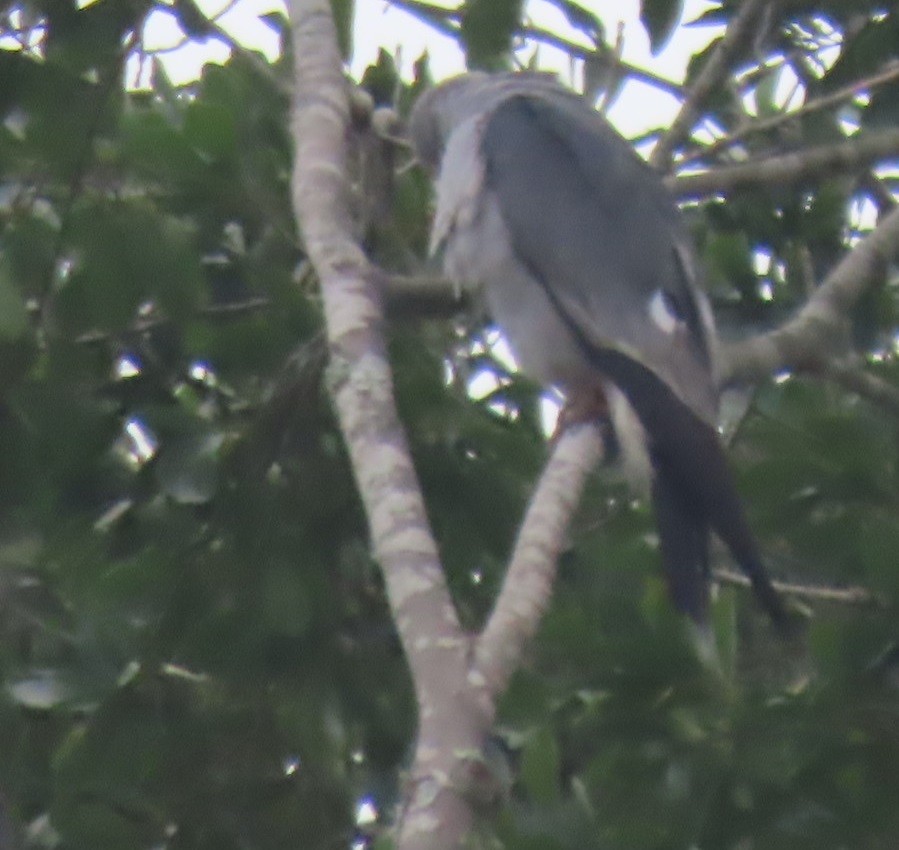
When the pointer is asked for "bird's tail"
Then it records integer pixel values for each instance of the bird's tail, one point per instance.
(693, 491)
(684, 547)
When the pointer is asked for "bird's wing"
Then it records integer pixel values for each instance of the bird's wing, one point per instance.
(596, 226)
(459, 184)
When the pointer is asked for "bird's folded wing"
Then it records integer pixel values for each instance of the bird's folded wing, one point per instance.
(589, 219)
(460, 183)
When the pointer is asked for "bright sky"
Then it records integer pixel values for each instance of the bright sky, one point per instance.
(639, 107)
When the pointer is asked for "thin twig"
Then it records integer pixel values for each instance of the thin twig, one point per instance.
(418, 296)
(761, 126)
(259, 65)
(443, 20)
(605, 56)
(230, 310)
(819, 593)
(871, 387)
(716, 69)
(448, 22)
(186, 38)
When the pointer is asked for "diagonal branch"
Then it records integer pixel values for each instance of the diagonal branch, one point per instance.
(527, 587)
(361, 385)
(606, 57)
(853, 595)
(716, 69)
(801, 343)
(451, 721)
(888, 74)
(875, 389)
(789, 168)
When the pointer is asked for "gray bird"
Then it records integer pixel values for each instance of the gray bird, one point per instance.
(583, 260)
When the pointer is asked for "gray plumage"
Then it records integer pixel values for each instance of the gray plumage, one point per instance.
(584, 262)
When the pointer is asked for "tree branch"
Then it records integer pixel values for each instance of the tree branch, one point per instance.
(817, 593)
(451, 720)
(605, 57)
(440, 18)
(447, 21)
(716, 69)
(228, 310)
(790, 168)
(802, 342)
(815, 105)
(455, 692)
(423, 296)
(527, 587)
(864, 384)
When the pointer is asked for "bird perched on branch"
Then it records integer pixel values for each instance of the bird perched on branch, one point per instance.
(585, 264)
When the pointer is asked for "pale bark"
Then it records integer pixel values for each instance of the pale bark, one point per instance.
(436, 814)
(455, 703)
(790, 168)
(814, 334)
(527, 587)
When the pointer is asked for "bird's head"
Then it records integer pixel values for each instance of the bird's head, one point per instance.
(439, 111)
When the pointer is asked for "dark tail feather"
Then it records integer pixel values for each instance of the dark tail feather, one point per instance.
(693, 463)
(684, 545)
(694, 490)
(728, 519)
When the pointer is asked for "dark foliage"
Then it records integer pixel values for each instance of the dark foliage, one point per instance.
(195, 649)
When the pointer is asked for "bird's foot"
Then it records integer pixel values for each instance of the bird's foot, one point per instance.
(591, 406)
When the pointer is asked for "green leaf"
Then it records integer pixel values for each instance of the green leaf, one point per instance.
(487, 28)
(824, 218)
(882, 113)
(724, 625)
(187, 468)
(124, 254)
(765, 91)
(210, 131)
(540, 766)
(285, 600)
(874, 44)
(382, 80)
(13, 313)
(660, 18)
(878, 548)
(729, 260)
(581, 18)
(344, 14)
(192, 19)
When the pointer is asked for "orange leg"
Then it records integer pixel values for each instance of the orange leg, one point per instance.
(590, 405)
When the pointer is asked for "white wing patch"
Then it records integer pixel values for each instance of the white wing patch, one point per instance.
(661, 313)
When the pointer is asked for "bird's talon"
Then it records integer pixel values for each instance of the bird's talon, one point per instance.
(587, 407)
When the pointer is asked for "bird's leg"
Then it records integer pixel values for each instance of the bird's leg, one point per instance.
(589, 404)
